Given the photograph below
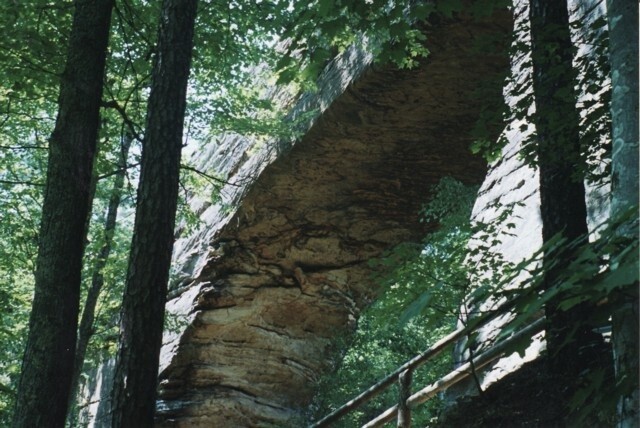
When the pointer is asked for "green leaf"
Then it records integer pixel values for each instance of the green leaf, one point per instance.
(416, 307)
(449, 7)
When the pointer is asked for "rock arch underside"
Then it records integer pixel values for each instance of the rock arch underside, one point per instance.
(287, 272)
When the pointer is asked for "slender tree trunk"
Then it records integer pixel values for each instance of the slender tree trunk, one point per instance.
(562, 194)
(47, 367)
(623, 50)
(142, 320)
(86, 328)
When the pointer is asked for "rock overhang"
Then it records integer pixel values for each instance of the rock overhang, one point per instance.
(287, 271)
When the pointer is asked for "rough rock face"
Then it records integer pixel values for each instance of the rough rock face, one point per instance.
(510, 180)
(263, 290)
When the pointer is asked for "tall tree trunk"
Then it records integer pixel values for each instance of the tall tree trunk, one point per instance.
(623, 50)
(562, 193)
(135, 382)
(86, 328)
(47, 366)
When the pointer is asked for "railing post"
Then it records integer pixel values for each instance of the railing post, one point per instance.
(404, 387)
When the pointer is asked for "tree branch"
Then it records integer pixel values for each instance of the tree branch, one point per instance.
(207, 176)
(28, 183)
(27, 147)
(114, 172)
(130, 124)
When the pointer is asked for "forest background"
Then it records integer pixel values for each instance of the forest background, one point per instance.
(86, 104)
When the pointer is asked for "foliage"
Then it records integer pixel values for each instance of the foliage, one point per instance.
(25, 101)
(429, 279)
(238, 43)
(422, 288)
(107, 311)
(458, 264)
(591, 79)
(425, 291)
(376, 350)
(15, 297)
(597, 275)
(391, 29)
(596, 272)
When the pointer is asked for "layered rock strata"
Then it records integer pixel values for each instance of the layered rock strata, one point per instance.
(264, 288)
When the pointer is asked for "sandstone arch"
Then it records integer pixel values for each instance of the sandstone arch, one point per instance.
(287, 271)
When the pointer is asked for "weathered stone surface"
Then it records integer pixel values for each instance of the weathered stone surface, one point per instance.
(263, 290)
(510, 180)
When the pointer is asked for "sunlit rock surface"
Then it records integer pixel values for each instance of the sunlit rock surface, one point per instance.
(511, 183)
(261, 290)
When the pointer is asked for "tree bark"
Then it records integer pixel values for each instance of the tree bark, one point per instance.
(562, 194)
(623, 50)
(135, 382)
(86, 328)
(47, 366)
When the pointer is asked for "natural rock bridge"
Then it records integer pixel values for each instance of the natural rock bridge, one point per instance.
(263, 290)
